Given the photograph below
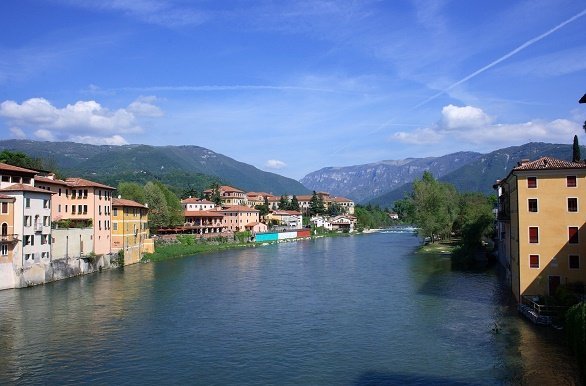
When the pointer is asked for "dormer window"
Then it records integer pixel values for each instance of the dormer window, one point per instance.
(532, 182)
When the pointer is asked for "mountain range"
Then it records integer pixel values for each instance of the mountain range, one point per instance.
(181, 167)
(384, 182)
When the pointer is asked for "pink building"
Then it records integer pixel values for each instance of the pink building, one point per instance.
(237, 217)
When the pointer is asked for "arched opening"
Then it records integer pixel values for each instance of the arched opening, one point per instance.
(4, 229)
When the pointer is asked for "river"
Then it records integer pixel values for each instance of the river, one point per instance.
(359, 310)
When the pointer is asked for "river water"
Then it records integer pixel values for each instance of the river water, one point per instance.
(360, 310)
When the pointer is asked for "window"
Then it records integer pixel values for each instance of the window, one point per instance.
(26, 180)
(45, 255)
(574, 262)
(60, 191)
(85, 193)
(100, 210)
(5, 179)
(533, 235)
(573, 235)
(72, 209)
(73, 191)
(27, 221)
(46, 204)
(27, 202)
(115, 226)
(532, 182)
(59, 208)
(572, 204)
(4, 250)
(571, 181)
(80, 193)
(27, 240)
(85, 209)
(4, 208)
(533, 261)
(44, 239)
(115, 211)
(27, 256)
(79, 208)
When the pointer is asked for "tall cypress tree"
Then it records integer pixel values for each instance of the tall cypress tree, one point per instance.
(576, 150)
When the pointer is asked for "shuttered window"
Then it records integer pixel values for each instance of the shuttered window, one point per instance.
(533, 234)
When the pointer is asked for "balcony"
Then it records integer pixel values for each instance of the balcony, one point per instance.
(8, 238)
(38, 227)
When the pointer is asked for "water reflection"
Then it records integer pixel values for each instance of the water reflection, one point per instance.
(353, 310)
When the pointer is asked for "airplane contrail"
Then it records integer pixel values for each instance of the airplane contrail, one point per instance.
(504, 57)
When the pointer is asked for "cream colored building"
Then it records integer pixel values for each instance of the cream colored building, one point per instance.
(541, 225)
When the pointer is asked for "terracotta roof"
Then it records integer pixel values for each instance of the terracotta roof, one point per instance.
(195, 200)
(341, 199)
(202, 213)
(26, 188)
(12, 168)
(50, 180)
(225, 188)
(83, 182)
(252, 224)
(304, 198)
(124, 202)
(286, 212)
(262, 194)
(548, 163)
(239, 208)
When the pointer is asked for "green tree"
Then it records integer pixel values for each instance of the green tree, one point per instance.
(576, 150)
(284, 203)
(131, 191)
(334, 209)
(20, 159)
(215, 196)
(158, 211)
(294, 205)
(405, 209)
(263, 208)
(436, 206)
(174, 209)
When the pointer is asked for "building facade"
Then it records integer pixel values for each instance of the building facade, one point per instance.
(541, 219)
(130, 230)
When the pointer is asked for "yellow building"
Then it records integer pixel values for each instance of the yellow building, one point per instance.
(540, 232)
(130, 231)
(8, 236)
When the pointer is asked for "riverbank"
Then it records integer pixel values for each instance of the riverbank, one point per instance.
(190, 246)
(444, 247)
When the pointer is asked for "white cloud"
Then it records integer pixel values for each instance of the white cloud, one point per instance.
(275, 164)
(17, 133)
(113, 140)
(418, 136)
(467, 117)
(45, 135)
(80, 116)
(471, 125)
(145, 106)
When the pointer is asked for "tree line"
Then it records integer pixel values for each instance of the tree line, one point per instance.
(439, 211)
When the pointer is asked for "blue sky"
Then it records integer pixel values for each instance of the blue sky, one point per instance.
(294, 86)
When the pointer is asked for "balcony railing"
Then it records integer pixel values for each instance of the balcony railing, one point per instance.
(8, 238)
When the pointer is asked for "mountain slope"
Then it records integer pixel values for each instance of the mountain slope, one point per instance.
(364, 182)
(178, 166)
(479, 175)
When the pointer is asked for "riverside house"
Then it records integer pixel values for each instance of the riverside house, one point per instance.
(130, 230)
(237, 217)
(541, 235)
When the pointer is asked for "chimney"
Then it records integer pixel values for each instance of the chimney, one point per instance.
(522, 162)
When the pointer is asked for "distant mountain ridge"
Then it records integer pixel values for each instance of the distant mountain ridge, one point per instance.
(178, 166)
(365, 182)
(480, 175)
(384, 182)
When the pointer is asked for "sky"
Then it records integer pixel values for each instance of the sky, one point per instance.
(294, 86)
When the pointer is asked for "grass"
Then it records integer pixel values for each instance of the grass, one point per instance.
(173, 251)
(443, 247)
